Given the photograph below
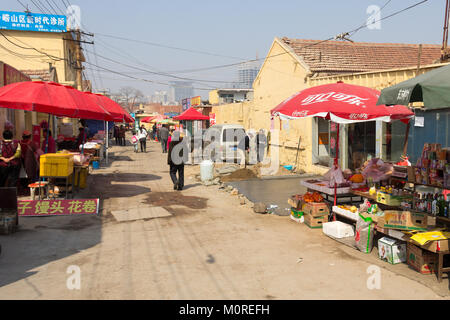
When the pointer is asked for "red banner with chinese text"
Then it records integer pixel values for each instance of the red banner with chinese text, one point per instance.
(29, 208)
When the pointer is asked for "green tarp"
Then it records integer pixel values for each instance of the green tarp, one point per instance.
(432, 88)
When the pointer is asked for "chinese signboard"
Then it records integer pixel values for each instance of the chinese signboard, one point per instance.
(57, 207)
(186, 103)
(32, 22)
(196, 101)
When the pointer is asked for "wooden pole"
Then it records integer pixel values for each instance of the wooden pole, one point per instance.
(79, 67)
(405, 145)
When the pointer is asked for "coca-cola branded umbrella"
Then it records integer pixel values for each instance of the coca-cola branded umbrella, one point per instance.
(340, 103)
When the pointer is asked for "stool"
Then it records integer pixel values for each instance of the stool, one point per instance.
(37, 185)
(440, 267)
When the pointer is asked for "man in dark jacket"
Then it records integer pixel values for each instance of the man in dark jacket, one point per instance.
(176, 158)
(164, 136)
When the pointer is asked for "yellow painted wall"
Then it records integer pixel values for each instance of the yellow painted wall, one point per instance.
(214, 97)
(51, 43)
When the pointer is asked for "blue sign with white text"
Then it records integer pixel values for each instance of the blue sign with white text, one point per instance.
(32, 22)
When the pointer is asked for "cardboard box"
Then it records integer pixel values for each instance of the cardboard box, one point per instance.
(391, 200)
(421, 260)
(437, 246)
(411, 175)
(316, 209)
(315, 222)
(391, 250)
(403, 220)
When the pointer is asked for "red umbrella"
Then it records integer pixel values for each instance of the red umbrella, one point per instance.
(88, 108)
(115, 109)
(191, 114)
(147, 119)
(39, 96)
(341, 103)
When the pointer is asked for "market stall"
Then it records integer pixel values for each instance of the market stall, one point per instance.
(387, 205)
(62, 101)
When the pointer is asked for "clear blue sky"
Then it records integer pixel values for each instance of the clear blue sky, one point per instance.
(240, 29)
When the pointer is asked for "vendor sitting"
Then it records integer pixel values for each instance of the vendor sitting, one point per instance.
(48, 145)
(82, 137)
(10, 152)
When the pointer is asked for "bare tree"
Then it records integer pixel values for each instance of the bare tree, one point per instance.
(129, 98)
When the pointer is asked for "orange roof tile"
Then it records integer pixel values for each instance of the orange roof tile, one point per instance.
(336, 57)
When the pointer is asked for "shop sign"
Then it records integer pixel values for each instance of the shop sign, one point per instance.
(42, 208)
(334, 96)
(32, 22)
(196, 101)
(212, 119)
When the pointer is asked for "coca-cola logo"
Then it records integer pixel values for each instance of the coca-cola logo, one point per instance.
(334, 96)
(359, 116)
(300, 114)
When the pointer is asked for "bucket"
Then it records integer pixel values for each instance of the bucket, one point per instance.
(95, 165)
(206, 170)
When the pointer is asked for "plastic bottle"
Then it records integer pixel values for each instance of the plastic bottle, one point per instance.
(434, 207)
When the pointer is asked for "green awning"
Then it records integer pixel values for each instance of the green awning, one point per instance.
(432, 88)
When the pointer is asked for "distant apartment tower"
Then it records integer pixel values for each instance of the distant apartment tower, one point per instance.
(180, 90)
(246, 75)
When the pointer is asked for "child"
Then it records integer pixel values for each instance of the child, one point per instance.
(134, 141)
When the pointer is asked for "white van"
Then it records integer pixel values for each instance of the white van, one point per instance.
(229, 137)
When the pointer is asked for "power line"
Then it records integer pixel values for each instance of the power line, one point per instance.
(56, 5)
(169, 47)
(47, 11)
(37, 6)
(51, 7)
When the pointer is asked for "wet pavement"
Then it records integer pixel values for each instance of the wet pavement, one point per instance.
(272, 191)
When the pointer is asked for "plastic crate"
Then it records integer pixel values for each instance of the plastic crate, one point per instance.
(56, 165)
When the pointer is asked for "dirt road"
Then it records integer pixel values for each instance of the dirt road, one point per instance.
(199, 243)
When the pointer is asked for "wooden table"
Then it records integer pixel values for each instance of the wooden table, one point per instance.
(440, 267)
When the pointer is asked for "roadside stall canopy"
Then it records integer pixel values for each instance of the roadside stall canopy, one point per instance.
(191, 115)
(341, 103)
(158, 118)
(432, 88)
(44, 97)
(147, 119)
(116, 110)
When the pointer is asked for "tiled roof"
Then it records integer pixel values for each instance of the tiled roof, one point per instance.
(43, 75)
(335, 57)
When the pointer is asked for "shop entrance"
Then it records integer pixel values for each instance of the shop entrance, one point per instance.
(361, 143)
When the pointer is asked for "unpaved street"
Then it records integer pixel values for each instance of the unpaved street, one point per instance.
(199, 243)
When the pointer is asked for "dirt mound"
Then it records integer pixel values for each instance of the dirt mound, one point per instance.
(239, 175)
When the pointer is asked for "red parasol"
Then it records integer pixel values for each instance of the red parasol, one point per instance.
(147, 119)
(118, 113)
(191, 115)
(341, 103)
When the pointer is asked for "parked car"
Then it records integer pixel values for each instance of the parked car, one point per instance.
(224, 142)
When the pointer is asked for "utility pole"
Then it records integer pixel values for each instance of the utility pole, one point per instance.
(79, 67)
(444, 51)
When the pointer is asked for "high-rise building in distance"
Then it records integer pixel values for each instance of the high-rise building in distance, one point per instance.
(180, 90)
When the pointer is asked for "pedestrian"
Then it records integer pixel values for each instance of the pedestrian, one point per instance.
(176, 158)
(116, 134)
(154, 131)
(244, 146)
(29, 157)
(164, 135)
(261, 143)
(134, 141)
(10, 152)
(81, 139)
(48, 145)
(142, 135)
(122, 135)
(170, 137)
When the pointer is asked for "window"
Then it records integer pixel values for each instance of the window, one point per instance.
(393, 140)
(323, 142)
(361, 143)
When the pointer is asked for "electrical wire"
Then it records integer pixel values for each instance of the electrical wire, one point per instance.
(37, 6)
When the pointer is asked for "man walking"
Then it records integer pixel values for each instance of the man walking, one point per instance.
(261, 143)
(176, 159)
(164, 135)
